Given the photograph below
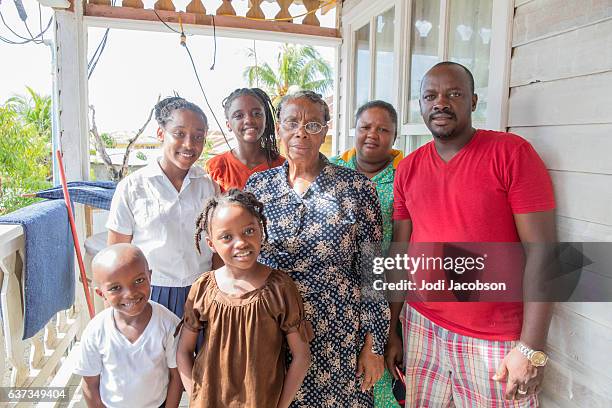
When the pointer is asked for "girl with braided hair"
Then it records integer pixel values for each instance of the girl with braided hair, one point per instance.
(156, 207)
(250, 116)
(250, 313)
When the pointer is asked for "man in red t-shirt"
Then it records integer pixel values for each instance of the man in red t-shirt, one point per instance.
(470, 185)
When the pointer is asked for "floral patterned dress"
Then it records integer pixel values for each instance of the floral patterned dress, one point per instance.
(321, 237)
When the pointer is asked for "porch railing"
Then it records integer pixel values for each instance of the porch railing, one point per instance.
(38, 361)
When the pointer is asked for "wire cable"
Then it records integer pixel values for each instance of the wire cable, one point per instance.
(160, 19)
(93, 62)
(34, 39)
(101, 46)
(195, 71)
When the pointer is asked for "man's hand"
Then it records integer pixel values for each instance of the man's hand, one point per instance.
(522, 377)
(394, 353)
(370, 365)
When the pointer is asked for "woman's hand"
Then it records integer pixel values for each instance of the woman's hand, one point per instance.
(394, 353)
(370, 365)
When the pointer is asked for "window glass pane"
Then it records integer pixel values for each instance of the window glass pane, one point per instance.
(385, 30)
(417, 141)
(424, 45)
(469, 44)
(362, 66)
(409, 143)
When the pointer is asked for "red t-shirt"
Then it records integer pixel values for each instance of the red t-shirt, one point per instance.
(229, 172)
(472, 198)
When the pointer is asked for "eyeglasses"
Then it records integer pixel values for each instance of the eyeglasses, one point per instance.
(312, 128)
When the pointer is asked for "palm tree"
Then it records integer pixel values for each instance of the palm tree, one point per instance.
(34, 110)
(297, 67)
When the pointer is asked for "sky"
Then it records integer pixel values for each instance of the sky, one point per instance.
(136, 67)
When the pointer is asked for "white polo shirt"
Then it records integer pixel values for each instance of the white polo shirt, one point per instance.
(161, 221)
(131, 374)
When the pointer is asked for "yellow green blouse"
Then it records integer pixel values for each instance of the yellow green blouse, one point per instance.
(384, 186)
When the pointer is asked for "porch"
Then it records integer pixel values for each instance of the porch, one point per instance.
(544, 55)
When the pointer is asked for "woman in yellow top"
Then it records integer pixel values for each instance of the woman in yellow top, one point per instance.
(250, 116)
(374, 157)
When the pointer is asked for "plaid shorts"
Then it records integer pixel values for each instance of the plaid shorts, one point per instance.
(446, 369)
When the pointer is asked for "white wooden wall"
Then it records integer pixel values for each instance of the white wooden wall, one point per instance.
(561, 101)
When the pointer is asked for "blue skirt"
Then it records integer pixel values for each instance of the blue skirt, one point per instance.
(172, 297)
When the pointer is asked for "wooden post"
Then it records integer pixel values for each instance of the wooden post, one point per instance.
(196, 7)
(255, 10)
(132, 3)
(311, 19)
(166, 5)
(70, 98)
(226, 9)
(284, 10)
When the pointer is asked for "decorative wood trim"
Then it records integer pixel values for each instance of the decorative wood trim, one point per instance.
(119, 17)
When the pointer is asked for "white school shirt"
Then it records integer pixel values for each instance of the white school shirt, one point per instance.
(162, 220)
(131, 374)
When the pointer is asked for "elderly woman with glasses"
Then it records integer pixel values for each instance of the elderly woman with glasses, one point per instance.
(322, 220)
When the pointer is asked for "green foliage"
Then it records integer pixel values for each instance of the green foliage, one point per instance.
(108, 140)
(141, 156)
(297, 66)
(25, 153)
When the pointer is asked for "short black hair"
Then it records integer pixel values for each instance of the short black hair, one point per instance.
(378, 104)
(456, 64)
(165, 107)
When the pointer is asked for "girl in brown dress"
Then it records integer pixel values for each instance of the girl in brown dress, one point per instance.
(251, 314)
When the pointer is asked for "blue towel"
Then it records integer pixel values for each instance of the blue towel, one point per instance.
(97, 194)
(49, 262)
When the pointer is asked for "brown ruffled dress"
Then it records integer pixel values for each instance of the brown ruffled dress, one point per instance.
(242, 361)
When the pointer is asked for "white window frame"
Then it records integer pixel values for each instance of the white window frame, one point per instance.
(499, 62)
(351, 22)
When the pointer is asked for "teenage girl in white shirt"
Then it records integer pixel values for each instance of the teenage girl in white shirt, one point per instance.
(156, 207)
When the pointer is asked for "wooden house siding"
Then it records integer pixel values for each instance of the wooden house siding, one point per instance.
(560, 100)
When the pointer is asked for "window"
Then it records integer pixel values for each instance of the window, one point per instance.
(385, 56)
(374, 68)
(394, 42)
(453, 30)
(362, 65)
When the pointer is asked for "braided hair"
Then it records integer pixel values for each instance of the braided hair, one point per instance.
(165, 107)
(311, 96)
(268, 139)
(232, 197)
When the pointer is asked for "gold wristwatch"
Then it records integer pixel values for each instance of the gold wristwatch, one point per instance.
(535, 357)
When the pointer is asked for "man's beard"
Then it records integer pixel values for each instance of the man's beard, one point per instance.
(444, 135)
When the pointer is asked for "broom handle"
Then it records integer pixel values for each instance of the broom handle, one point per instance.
(75, 237)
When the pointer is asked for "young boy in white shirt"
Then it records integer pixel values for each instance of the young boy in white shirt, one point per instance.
(128, 352)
